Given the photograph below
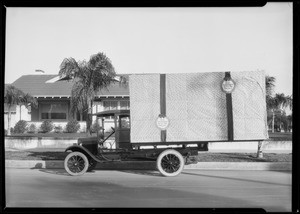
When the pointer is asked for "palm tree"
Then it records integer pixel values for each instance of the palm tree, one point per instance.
(290, 121)
(89, 78)
(277, 103)
(270, 85)
(28, 100)
(14, 96)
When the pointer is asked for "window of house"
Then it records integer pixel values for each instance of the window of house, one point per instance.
(124, 104)
(114, 105)
(110, 105)
(54, 111)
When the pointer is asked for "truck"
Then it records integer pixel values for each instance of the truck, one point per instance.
(173, 117)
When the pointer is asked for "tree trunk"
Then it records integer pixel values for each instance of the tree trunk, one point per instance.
(20, 112)
(88, 125)
(89, 120)
(8, 120)
(259, 151)
(273, 120)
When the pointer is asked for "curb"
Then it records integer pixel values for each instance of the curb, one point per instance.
(151, 165)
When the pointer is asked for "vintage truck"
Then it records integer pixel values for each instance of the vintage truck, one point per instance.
(173, 116)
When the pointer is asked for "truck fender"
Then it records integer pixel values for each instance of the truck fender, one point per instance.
(87, 153)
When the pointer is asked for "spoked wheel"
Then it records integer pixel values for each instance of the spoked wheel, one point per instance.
(92, 165)
(170, 163)
(76, 163)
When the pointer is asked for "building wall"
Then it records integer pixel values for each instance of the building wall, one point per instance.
(17, 113)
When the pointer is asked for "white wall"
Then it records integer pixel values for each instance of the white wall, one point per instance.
(15, 117)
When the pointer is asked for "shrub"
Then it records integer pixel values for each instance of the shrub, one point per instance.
(58, 129)
(20, 127)
(47, 126)
(72, 126)
(95, 127)
(32, 128)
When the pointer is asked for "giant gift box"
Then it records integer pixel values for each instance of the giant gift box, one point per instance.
(195, 107)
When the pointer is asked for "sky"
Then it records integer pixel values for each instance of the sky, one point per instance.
(153, 40)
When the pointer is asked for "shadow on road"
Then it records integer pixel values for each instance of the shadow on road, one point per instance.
(237, 179)
(57, 171)
(142, 172)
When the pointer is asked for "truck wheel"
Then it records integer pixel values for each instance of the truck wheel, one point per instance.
(76, 163)
(170, 163)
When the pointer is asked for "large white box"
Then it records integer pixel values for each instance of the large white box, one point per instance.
(196, 107)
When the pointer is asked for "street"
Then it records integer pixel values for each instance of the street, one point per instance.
(270, 190)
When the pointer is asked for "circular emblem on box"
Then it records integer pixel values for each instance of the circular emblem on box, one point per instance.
(162, 122)
(228, 86)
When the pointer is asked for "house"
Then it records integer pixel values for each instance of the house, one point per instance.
(53, 98)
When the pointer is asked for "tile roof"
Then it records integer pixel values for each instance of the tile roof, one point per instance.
(46, 86)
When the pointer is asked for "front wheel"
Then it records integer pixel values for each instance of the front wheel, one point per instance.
(76, 163)
(170, 163)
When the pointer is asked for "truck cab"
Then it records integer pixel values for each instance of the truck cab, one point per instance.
(122, 126)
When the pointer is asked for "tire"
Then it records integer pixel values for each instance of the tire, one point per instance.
(76, 163)
(92, 165)
(170, 163)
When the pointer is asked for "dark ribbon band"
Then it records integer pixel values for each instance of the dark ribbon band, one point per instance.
(229, 111)
(163, 133)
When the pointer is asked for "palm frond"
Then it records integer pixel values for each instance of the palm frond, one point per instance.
(13, 95)
(29, 100)
(101, 63)
(69, 68)
(123, 81)
(270, 84)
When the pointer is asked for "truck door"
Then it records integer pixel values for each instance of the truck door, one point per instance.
(122, 134)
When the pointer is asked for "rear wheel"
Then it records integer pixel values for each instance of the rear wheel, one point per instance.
(170, 163)
(76, 163)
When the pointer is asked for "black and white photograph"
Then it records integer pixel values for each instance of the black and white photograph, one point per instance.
(149, 107)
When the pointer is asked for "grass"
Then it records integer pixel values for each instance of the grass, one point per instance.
(59, 154)
(243, 157)
(280, 136)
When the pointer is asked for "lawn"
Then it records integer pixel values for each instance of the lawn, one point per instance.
(59, 154)
(281, 136)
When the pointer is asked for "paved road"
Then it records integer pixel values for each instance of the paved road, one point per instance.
(193, 188)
